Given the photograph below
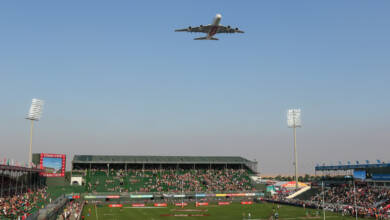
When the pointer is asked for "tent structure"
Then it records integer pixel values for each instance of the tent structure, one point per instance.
(291, 184)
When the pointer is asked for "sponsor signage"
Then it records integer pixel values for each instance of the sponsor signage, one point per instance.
(220, 195)
(140, 196)
(179, 196)
(115, 205)
(238, 194)
(376, 176)
(202, 204)
(160, 205)
(200, 195)
(246, 203)
(181, 204)
(223, 203)
(101, 197)
(138, 205)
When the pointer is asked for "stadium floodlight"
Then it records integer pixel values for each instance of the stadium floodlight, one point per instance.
(294, 121)
(294, 118)
(34, 114)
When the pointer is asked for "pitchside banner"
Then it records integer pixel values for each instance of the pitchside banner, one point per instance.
(53, 165)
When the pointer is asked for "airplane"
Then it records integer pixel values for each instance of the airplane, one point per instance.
(211, 29)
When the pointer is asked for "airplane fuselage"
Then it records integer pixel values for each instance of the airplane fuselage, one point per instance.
(214, 28)
(211, 29)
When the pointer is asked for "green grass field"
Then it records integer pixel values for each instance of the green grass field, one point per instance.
(233, 211)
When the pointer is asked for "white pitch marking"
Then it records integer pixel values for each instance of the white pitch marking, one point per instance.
(97, 217)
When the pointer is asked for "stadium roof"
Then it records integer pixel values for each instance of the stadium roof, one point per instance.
(159, 159)
(19, 168)
(350, 167)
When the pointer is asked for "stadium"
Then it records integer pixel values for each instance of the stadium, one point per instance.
(190, 187)
(243, 121)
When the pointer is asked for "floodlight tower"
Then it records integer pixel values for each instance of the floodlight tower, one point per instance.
(294, 121)
(34, 114)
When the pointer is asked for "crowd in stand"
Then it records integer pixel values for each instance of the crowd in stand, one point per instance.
(369, 201)
(161, 180)
(72, 211)
(22, 205)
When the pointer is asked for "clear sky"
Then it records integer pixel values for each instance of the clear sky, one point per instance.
(117, 79)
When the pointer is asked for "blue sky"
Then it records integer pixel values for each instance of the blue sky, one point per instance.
(117, 79)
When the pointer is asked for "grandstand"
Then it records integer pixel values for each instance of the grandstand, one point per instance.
(162, 173)
(376, 174)
(17, 179)
(22, 187)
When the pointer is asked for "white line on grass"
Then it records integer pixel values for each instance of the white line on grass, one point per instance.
(147, 207)
(97, 218)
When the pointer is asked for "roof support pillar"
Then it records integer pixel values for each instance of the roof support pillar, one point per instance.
(9, 186)
(2, 184)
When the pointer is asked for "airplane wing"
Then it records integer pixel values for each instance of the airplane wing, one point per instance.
(228, 29)
(199, 29)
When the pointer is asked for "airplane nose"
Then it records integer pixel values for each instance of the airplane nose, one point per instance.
(219, 16)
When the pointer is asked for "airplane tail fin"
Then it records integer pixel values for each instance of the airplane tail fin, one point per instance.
(205, 38)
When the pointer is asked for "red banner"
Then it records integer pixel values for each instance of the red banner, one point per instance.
(160, 205)
(76, 197)
(181, 204)
(223, 203)
(115, 205)
(246, 203)
(138, 205)
(202, 204)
